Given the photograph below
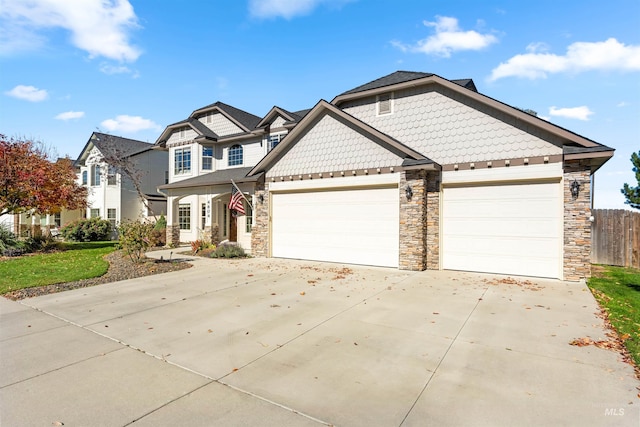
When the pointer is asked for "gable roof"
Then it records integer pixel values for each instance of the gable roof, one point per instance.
(323, 108)
(404, 80)
(245, 121)
(276, 111)
(123, 147)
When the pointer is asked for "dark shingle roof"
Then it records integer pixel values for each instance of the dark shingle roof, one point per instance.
(125, 147)
(220, 177)
(571, 149)
(403, 77)
(248, 120)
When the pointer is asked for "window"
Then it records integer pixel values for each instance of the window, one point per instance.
(203, 213)
(111, 177)
(207, 158)
(235, 155)
(96, 175)
(184, 217)
(274, 140)
(182, 160)
(95, 213)
(111, 216)
(84, 177)
(249, 217)
(384, 104)
(57, 219)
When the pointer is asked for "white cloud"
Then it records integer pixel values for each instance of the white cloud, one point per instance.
(99, 27)
(449, 37)
(580, 113)
(288, 9)
(69, 115)
(125, 123)
(28, 93)
(622, 104)
(580, 57)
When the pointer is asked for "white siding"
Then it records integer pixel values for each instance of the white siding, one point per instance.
(278, 123)
(221, 125)
(175, 136)
(332, 146)
(449, 128)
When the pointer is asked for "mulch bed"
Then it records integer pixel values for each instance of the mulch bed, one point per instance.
(120, 268)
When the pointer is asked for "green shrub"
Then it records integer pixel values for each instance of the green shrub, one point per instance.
(135, 238)
(229, 251)
(161, 223)
(87, 230)
(7, 239)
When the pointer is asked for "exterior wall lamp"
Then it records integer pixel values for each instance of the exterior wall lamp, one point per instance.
(575, 189)
(261, 198)
(409, 192)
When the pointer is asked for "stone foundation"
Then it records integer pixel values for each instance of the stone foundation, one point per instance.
(260, 230)
(413, 221)
(433, 221)
(173, 235)
(577, 224)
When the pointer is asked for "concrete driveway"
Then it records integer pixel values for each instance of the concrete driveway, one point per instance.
(280, 342)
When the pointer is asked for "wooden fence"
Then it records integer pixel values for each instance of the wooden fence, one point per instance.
(615, 237)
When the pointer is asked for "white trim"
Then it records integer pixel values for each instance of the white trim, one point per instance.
(512, 173)
(337, 182)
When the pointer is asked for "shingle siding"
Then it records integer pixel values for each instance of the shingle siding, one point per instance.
(450, 129)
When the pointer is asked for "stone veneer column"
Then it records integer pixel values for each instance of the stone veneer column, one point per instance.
(433, 221)
(173, 235)
(577, 224)
(260, 230)
(413, 221)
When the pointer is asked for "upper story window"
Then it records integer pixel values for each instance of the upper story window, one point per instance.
(85, 176)
(207, 158)
(111, 177)
(274, 140)
(96, 175)
(235, 155)
(182, 160)
(384, 104)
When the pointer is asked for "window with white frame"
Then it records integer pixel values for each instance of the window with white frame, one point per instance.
(95, 213)
(385, 103)
(235, 155)
(274, 140)
(182, 160)
(96, 175)
(207, 158)
(85, 177)
(184, 216)
(57, 220)
(111, 216)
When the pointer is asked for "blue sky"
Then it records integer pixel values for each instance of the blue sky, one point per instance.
(129, 68)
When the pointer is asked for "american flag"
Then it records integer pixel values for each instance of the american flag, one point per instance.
(236, 201)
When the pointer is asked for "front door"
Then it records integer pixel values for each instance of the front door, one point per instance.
(233, 228)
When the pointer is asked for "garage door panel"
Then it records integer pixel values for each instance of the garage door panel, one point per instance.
(358, 226)
(508, 229)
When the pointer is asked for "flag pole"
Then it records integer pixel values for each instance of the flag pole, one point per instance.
(242, 194)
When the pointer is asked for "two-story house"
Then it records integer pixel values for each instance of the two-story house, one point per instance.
(122, 176)
(210, 152)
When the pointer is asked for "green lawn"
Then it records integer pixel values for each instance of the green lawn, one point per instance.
(617, 289)
(77, 261)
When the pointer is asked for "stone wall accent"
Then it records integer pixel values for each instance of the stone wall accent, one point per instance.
(173, 235)
(577, 224)
(260, 229)
(413, 221)
(214, 234)
(206, 234)
(433, 221)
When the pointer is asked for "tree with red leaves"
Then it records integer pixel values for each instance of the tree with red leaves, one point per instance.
(30, 181)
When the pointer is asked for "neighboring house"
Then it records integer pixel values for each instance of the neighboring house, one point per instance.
(411, 171)
(112, 194)
(215, 146)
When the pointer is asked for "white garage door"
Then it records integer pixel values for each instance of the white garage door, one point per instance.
(354, 226)
(508, 229)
